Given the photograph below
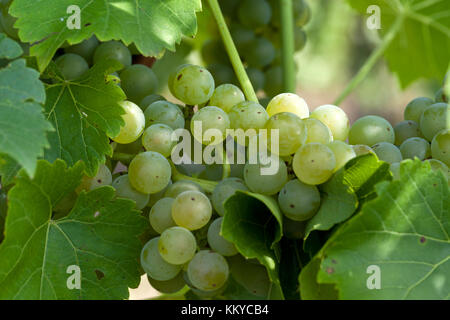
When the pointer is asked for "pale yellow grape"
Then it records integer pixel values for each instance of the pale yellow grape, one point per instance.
(154, 265)
(103, 177)
(288, 102)
(177, 245)
(158, 138)
(226, 96)
(208, 270)
(160, 215)
(314, 163)
(191, 210)
(149, 172)
(316, 131)
(342, 152)
(134, 123)
(334, 118)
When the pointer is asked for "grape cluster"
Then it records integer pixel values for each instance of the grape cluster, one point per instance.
(255, 29)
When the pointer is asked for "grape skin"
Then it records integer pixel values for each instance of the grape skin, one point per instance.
(113, 50)
(226, 96)
(154, 265)
(415, 147)
(210, 117)
(440, 146)
(149, 172)
(217, 242)
(177, 245)
(160, 215)
(434, 119)
(291, 133)
(405, 130)
(314, 163)
(72, 66)
(254, 13)
(370, 130)
(416, 107)
(316, 131)
(191, 210)
(85, 48)
(299, 201)
(125, 190)
(166, 113)
(248, 115)
(208, 270)
(387, 152)
(148, 100)
(334, 118)
(342, 153)
(138, 81)
(134, 123)
(288, 102)
(158, 138)
(181, 186)
(265, 184)
(223, 191)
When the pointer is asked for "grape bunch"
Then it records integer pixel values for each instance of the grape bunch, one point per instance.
(255, 29)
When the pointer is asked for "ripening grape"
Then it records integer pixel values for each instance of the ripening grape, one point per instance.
(158, 138)
(191, 210)
(85, 48)
(224, 190)
(166, 113)
(299, 201)
(181, 186)
(114, 50)
(318, 132)
(440, 146)
(138, 81)
(134, 123)
(361, 149)
(254, 13)
(177, 245)
(192, 84)
(242, 36)
(208, 270)
(149, 172)
(415, 147)
(148, 100)
(169, 286)
(290, 133)
(387, 152)
(72, 66)
(248, 115)
(154, 265)
(103, 177)
(226, 96)
(251, 276)
(125, 190)
(268, 183)
(160, 215)
(314, 163)
(334, 118)
(370, 130)
(416, 107)
(405, 130)
(438, 165)
(288, 102)
(259, 53)
(434, 119)
(210, 118)
(217, 242)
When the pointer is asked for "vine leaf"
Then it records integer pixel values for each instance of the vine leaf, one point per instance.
(404, 231)
(85, 113)
(422, 40)
(153, 25)
(99, 235)
(23, 127)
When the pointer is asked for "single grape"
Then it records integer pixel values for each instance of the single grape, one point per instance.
(226, 96)
(248, 115)
(158, 138)
(72, 66)
(293, 229)
(149, 172)
(210, 118)
(251, 276)
(259, 53)
(300, 38)
(224, 190)
(405, 130)
(134, 123)
(387, 152)
(395, 170)
(103, 177)
(299, 201)
(254, 13)
(181, 186)
(114, 50)
(125, 190)
(213, 51)
(314, 163)
(257, 78)
(343, 153)
(217, 242)
(434, 119)
(318, 132)
(170, 286)
(222, 74)
(290, 133)
(440, 146)
(370, 130)
(177, 245)
(302, 12)
(192, 84)
(274, 83)
(138, 81)
(166, 113)
(242, 36)
(154, 265)
(416, 107)
(334, 118)
(208, 270)
(191, 210)
(270, 182)
(148, 100)
(415, 147)
(361, 149)
(85, 49)
(288, 102)
(160, 215)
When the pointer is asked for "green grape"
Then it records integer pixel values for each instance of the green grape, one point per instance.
(361, 149)
(148, 100)
(293, 229)
(415, 147)
(114, 50)
(314, 163)
(438, 165)
(85, 49)
(222, 74)
(191, 210)
(158, 138)
(210, 118)
(177, 245)
(72, 66)
(213, 51)
(181, 186)
(440, 146)
(253, 277)
(160, 215)
(268, 183)
(103, 177)
(192, 84)
(149, 172)
(134, 123)
(300, 38)
(274, 83)
(208, 270)
(288, 102)
(434, 119)
(131, 148)
(318, 132)
(257, 78)
(138, 81)
(416, 107)
(166, 113)
(155, 197)
(335, 119)
(291, 133)
(223, 191)
(440, 96)
(154, 265)
(299, 201)
(226, 96)
(302, 12)
(259, 53)
(405, 130)
(217, 242)
(125, 190)
(170, 286)
(370, 130)
(241, 36)
(254, 13)
(248, 115)
(395, 170)
(343, 153)
(387, 152)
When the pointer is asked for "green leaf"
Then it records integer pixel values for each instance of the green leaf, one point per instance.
(153, 25)
(235, 291)
(8, 169)
(404, 231)
(3, 209)
(310, 289)
(85, 113)
(342, 194)
(253, 222)
(100, 236)
(23, 127)
(422, 36)
(290, 266)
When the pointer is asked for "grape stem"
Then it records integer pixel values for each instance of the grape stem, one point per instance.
(208, 186)
(287, 45)
(232, 52)
(226, 169)
(372, 60)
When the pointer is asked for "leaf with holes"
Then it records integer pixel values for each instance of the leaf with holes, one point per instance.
(38, 251)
